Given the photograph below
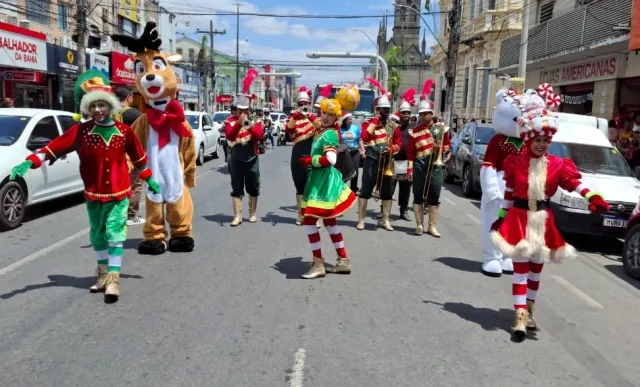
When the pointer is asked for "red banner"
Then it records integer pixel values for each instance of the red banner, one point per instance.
(224, 99)
(119, 74)
(634, 35)
(267, 80)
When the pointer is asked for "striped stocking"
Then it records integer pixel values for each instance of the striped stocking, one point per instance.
(336, 237)
(519, 287)
(115, 256)
(309, 225)
(533, 280)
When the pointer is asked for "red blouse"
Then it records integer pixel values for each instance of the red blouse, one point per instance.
(499, 148)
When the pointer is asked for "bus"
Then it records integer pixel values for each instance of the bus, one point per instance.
(363, 110)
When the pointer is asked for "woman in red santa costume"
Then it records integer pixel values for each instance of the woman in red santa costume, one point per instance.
(525, 229)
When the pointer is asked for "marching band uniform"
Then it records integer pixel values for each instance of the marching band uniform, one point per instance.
(244, 162)
(326, 196)
(402, 136)
(378, 136)
(301, 129)
(525, 229)
(423, 153)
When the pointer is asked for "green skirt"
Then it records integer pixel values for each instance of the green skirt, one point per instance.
(326, 196)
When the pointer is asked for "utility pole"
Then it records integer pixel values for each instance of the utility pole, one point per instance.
(212, 33)
(237, 48)
(81, 35)
(524, 39)
(452, 55)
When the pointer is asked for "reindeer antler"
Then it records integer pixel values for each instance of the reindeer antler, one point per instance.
(427, 88)
(377, 84)
(410, 96)
(248, 80)
(148, 40)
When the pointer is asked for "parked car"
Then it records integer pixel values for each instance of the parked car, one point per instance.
(603, 170)
(279, 121)
(23, 131)
(207, 139)
(468, 147)
(631, 247)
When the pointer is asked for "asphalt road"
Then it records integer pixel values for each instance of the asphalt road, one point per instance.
(415, 312)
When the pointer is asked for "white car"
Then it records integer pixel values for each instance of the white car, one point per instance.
(279, 121)
(218, 119)
(207, 139)
(23, 131)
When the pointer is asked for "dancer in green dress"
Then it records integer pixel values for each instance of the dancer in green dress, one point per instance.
(326, 196)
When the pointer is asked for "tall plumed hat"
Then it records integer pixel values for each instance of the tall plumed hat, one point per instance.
(324, 93)
(304, 95)
(92, 86)
(382, 101)
(408, 100)
(425, 105)
(243, 100)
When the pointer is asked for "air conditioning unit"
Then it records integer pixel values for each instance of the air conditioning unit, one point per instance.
(13, 20)
(24, 24)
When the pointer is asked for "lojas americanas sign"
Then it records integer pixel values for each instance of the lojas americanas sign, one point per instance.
(586, 71)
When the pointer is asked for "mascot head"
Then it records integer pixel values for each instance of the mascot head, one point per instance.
(506, 113)
(155, 78)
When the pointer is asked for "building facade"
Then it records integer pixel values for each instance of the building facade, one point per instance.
(484, 24)
(582, 49)
(167, 29)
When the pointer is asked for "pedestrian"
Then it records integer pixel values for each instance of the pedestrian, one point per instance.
(350, 135)
(400, 159)
(245, 136)
(301, 126)
(269, 124)
(102, 145)
(128, 115)
(326, 196)
(525, 229)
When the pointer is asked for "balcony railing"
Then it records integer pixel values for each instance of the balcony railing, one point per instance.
(491, 21)
(583, 26)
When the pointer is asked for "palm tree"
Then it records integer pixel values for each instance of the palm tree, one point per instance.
(395, 63)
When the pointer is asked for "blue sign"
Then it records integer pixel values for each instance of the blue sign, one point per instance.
(98, 62)
(191, 86)
(62, 60)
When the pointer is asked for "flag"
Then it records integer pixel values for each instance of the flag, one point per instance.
(427, 5)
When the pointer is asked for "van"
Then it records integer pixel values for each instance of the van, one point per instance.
(596, 122)
(603, 170)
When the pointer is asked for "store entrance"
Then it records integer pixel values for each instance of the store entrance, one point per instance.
(30, 96)
(577, 99)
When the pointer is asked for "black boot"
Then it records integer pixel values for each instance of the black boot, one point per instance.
(404, 215)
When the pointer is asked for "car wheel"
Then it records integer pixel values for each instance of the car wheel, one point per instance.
(215, 153)
(631, 252)
(467, 181)
(200, 159)
(447, 175)
(13, 205)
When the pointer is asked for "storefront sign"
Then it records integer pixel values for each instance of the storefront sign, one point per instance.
(119, 74)
(62, 60)
(99, 62)
(634, 33)
(586, 71)
(576, 99)
(22, 76)
(224, 99)
(191, 87)
(22, 48)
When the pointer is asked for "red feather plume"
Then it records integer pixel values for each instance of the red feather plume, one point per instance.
(302, 88)
(427, 88)
(377, 84)
(310, 92)
(410, 96)
(248, 80)
(326, 91)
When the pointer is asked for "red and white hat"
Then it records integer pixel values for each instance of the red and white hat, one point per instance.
(395, 116)
(537, 117)
(345, 116)
(304, 95)
(408, 100)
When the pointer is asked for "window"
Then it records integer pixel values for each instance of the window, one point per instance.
(63, 17)
(207, 120)
(179, 50)
(193, 121)
(474, 86)
(491, 5)
(192, 55)
(484, 134)
(106, 27)
(480, 6)
(465, 95)
(220, 117)
(44, 131)
(472, 10)
(38, 11)
(545, 12)
(485, 84)
(593, 159)
(11, 128)
(66, 122)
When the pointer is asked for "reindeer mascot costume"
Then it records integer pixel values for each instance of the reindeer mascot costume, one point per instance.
(169, 143)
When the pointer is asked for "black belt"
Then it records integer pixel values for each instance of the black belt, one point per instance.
(523, 204)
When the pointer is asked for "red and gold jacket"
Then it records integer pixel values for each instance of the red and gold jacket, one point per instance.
(301, 128)
(237, 135)
(375, 138)
(422, 143)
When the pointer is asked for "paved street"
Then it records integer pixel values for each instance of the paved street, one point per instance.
(415, 312)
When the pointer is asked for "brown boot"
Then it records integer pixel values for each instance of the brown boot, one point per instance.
(237, 212)
(315, 270)
(253, 207)
(112, 289)
(343, 266)
(299, 204)
(433, 217)
(101, 273)
(417, 212)
(386, 212)
(362, 213)
(520, 324)
(531, 323)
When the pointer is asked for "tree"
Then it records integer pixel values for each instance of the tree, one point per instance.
(396, 63)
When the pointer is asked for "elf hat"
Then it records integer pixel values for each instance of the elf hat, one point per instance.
(92, 86)
(345, 116)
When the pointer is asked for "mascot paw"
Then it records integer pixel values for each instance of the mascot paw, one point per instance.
(152, 247)
(507, 266)
(492, 268)
(181, 245)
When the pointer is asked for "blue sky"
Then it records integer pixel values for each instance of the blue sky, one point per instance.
(278, 40)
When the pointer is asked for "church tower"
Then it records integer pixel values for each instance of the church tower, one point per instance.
(406, 24)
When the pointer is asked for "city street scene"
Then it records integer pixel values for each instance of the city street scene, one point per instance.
(397, 193)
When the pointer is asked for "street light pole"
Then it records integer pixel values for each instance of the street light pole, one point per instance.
(383, 63)
(524, 39)
(377, 49)
(237, 47)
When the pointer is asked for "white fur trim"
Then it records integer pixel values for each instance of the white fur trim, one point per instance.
(537, 178)
(524, 250)
(332, 157)
(507, 204)
(490, 183)
(94, 96)
(580, 187)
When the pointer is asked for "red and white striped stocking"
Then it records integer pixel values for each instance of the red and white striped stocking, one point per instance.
(309, 225)
(336, 237)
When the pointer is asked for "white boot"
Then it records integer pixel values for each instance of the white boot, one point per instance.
(507, 266)
(493, 268)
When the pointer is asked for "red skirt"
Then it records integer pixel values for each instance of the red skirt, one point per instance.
(531, 234)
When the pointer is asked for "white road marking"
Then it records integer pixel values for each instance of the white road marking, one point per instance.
(577, 292)
(43, 252)
(473, 218)
(297, 375)
(446, 199)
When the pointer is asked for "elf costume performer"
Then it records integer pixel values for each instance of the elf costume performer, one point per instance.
(102, 146)
(169, 142)
(326, 196)
(525, 229)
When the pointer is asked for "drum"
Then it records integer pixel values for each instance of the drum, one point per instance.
(344, 164)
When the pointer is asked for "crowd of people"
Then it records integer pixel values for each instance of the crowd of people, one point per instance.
(624, 134)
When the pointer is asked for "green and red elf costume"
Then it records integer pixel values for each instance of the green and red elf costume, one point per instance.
(103, 148)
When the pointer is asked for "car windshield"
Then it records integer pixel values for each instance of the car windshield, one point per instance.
(484, 134)
(593, 159)
(193, 121)
(11, 128)
(220, 117)
(274, 117)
